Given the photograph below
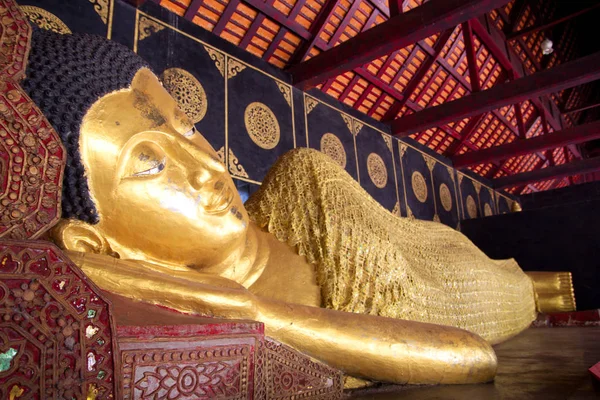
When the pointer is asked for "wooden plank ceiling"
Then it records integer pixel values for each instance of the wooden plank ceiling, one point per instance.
(425, 74)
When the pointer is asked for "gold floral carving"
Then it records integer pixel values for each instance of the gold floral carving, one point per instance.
(487, 210)
(148, 27)
(286, 91)
(430, 163)
(45, 19)
(218, 58)
(409, 212)
(187, 91)
(377, 170)
(419, 186)
(261, 125)
(436, 218)
(402, 148)
(101, 7)
(234, 67)
(396, 210)
(477, 186)
(357, 127)
(235, 167)
(348, 122)
(333, 147)
(451, 173)
(445, 197)
(310, 104)
(388, 141)
(471, 207)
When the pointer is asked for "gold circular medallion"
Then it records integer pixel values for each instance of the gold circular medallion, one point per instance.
(262, 125)
(333, 147)
(419, 186)
(187, 92)
(45, 20)
(445, 197)
(471, 207)
(487, 210)
(377, 170)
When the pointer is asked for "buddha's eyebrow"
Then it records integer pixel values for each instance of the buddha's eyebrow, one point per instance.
(148, 110)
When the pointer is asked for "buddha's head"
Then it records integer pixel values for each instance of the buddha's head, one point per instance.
(140, 182)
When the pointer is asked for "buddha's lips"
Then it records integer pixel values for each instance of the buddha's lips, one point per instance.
(219, 200)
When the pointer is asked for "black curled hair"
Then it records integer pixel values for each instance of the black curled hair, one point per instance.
(65, 75)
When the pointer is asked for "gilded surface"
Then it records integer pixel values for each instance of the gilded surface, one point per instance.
(148, 27)
(487, 210)
(348, 120)
(101, 7)
(445, 197)
(286, 91)
(471, 207)
(377, 170)
(262, 126)
(320, 240)
(399, 268)
(310, 104)
(554, 291)
(235, 167)
(187, 91)
(234, 67)
(333, 147)
(45, 19)
(419, 186)
(218, 58)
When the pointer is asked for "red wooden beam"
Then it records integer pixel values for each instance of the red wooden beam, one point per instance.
(582, 108)
(471, 60)
(395, 7)
(396, 33)
(578, 134)
(547, 25)
(279, 17)
(192, 10)
(585, 166)
(225, 17)
(419, 75)
(315, 31)
(566, 75)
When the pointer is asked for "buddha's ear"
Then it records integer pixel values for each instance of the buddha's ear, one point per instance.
(75, 235)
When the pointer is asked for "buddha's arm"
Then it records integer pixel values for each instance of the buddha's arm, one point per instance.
(361, 345)
(553, 291)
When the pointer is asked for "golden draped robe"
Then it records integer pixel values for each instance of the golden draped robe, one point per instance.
(369, 261)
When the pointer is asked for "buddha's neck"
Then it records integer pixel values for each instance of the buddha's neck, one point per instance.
(244, 265)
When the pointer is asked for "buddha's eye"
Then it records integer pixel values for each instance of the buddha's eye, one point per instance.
(190, 133)
(146, 159)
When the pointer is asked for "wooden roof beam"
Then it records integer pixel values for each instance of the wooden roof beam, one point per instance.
(566, 75)
(550, 24)
(396, 33)
(588, 165)
(582, 108)
(575, 135)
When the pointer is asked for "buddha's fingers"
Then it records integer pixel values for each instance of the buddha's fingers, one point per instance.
(382, 349)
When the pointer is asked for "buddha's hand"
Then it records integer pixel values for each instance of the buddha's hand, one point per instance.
(186, 291)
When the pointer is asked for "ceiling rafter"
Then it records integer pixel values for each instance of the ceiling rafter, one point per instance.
(396, 33)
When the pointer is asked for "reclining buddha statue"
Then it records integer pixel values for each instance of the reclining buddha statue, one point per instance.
(150, 213)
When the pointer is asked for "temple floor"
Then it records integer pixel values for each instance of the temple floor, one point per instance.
(540, 363)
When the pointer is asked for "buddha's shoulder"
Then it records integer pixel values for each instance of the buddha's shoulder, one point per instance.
(303, 157)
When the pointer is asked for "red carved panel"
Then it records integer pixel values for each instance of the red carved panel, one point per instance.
(285, 373)
(15, 33)
(198, 367)
(55, 328)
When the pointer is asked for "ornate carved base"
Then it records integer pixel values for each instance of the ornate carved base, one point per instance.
(57, 341)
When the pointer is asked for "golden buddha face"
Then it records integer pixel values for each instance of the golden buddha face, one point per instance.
(158, 186)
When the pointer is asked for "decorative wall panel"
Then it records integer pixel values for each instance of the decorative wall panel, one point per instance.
(376, 164)
(251, 115)
(418, 184)
(90, 16)
(260, 119)
(331, 131)
(469, 195)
